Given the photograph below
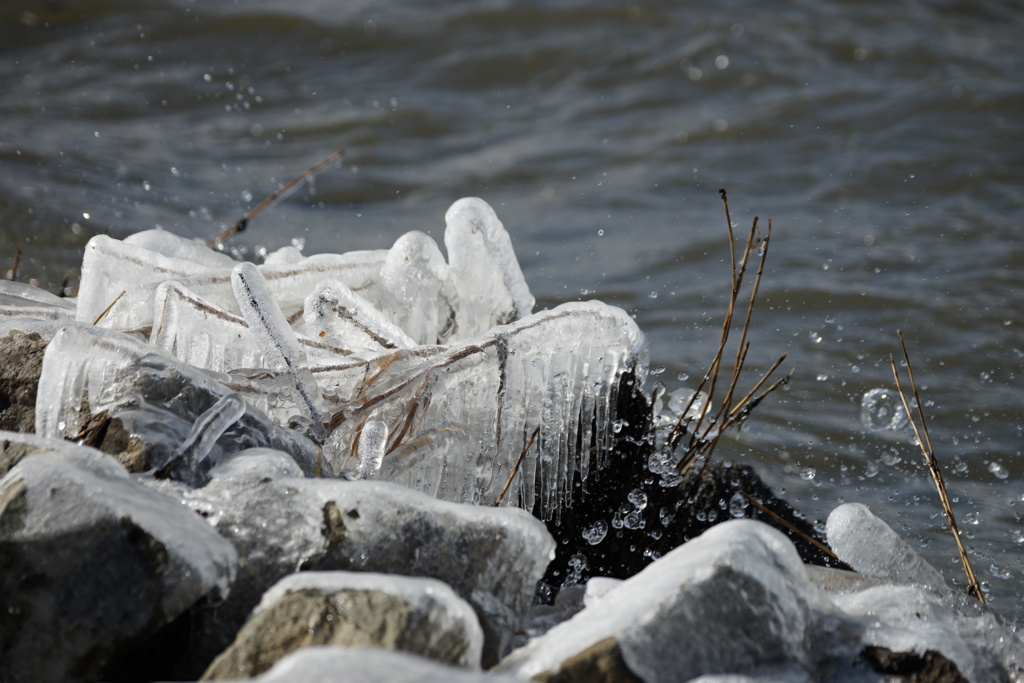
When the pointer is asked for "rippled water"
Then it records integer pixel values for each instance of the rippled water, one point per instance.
(885, 140)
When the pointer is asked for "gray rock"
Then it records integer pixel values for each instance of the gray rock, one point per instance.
(19, 377)
(736, 600)
(353, 609)
(324, 664)
(491, 557)
(91, 563)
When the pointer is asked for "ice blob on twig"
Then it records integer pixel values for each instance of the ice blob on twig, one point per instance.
(277, 342)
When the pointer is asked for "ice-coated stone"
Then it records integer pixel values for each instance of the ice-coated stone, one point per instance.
(142, 405)
(424, 299)
(908, 607)
(490, 284)
(735, 600)
(460, 420)
(21, 300)
(353, 609)
(491, 557)
(345, 320)
(325, 664)
(867, 544)
(93, 563)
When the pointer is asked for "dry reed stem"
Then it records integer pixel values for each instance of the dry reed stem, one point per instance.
(13, 275)
(515, 468)
(925, 443)
(789, 525)
(704, 431)
(281, 193)
(107, 309)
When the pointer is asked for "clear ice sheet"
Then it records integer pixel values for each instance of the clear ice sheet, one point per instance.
(21, 300)
(111, 266)
(460, 420)
(345, 320)
(207, 336)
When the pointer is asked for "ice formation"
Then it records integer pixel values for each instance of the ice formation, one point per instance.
(440, 367)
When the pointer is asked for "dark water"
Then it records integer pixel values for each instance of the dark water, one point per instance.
(885, 140)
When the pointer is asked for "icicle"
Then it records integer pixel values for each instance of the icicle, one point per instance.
(276, 340)
(372, 442)
(209, 427)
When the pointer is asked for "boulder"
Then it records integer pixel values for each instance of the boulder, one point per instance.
(281, 523)
(353, 609)
(736, 600)
(368, 665)
(91, 563)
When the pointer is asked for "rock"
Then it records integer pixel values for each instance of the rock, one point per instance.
(735, 600)
(323, 664)
(19, 377)
(113, 392)
(353, 609)
(281, 524)
(92, 563)
(930, 667)
(910, 611)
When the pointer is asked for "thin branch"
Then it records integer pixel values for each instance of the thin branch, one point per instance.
(515, 468)
(14, 264)
(107, 309)
(925, 443)
(281, 193)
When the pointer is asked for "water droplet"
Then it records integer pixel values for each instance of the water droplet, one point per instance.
(600, 232)
(738, 505)
(638, 498)
(808, 473)
(634, 520)
(998, 470)
(246, 196)
(596, 532)
(882, 409)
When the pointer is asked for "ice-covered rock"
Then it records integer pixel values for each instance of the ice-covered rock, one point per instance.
(910, 608)
(324, 664)
(491, 557)
(93, 563)
(872, 548)
(123, 396)
(353, 609)
(735, 600)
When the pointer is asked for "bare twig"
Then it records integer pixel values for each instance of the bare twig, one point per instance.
(705, 429)
(13, 275)
(515, 468)
(789, 525)
(283, 192)
(107, 309)
(925, 442)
